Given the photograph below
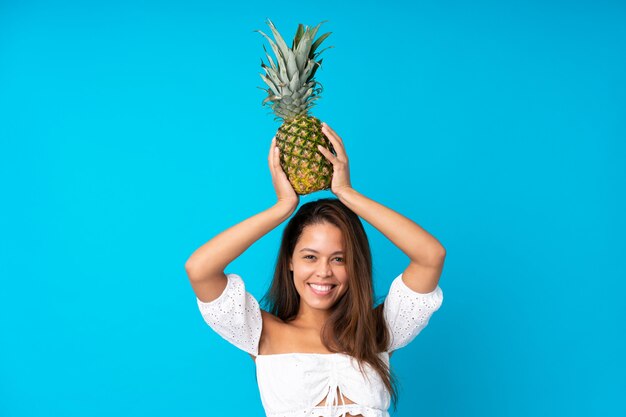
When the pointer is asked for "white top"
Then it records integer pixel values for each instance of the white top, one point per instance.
(291, 384)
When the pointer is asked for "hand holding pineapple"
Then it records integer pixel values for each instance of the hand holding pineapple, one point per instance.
(284, 191)
(341, 169)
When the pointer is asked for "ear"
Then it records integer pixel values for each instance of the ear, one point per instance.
(290, 265)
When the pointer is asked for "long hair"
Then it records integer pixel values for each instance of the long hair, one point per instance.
(354, 326)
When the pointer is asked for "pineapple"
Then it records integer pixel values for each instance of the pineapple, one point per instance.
(292, 92)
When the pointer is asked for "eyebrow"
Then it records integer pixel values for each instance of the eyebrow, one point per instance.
(313, 250)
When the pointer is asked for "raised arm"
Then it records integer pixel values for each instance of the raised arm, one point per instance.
(205, 267)
(425, 252)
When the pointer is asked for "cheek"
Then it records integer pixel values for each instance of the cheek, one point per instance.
(342, 274)
(300, 273)
(304, 269)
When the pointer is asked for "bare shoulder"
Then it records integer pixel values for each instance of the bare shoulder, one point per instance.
(270, 319)
(271, 326)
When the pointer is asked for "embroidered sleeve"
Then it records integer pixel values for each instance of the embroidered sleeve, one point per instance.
(235, 315)
(407, 312)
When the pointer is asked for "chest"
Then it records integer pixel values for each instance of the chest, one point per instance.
(279, 338)
(300, 380)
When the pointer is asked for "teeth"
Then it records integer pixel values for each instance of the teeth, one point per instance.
(322, 288)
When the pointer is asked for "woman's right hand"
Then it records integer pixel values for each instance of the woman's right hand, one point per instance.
(284, 191)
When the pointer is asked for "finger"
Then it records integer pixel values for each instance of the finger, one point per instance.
(272, 157)
(278, 169)
(330, 131)
(269, 157)
(276, 156)
(327, 153)
(336, 142)
(332, 136)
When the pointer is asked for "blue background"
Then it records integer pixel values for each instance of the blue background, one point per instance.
(132, 132)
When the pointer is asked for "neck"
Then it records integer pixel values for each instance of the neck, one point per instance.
(311, 318)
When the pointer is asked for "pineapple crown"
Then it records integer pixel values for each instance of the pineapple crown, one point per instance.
(292, 90)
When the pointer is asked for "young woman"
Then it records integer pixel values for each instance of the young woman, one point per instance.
(321, 347)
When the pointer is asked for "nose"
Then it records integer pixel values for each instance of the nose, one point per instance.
(324, 270)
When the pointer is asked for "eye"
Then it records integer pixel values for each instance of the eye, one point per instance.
(340, 258)
(307, 256)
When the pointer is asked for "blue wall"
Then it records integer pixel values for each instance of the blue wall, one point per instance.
(132, 132)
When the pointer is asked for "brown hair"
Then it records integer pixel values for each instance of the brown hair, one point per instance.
(354, 326)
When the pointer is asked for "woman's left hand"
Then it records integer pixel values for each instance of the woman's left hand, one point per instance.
(341, 169)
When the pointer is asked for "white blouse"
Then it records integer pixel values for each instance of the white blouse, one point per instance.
(291, 384)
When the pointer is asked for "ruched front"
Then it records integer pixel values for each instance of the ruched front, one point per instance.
(293, 384)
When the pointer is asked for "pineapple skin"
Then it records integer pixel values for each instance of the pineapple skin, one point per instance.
(306, 168)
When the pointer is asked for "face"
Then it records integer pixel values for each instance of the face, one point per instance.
(318, 265)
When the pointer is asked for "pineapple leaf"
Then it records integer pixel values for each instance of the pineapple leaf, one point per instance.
(302, 53)
(316, 28)
(306, 72)
(270, 98)
(279, 39)
(292, 68)
(296, 39)
(319, 64)
(282, 75)
(317, 54)
(277, 52)
(319, 89)
(313, 98)
(269, 58)
(270, 84)
(267, 90)
(273, 75)
(318, 43)
(294, 84)
(290, 78)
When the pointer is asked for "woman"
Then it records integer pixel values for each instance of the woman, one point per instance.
(321, 348)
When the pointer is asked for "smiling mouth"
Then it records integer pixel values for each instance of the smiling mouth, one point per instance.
(321, 289)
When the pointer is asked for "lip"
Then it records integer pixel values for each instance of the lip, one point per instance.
(319, 293)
